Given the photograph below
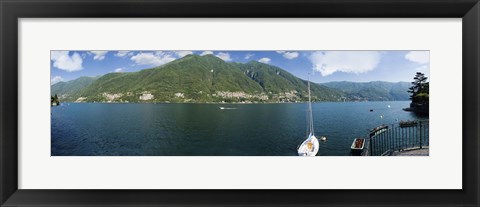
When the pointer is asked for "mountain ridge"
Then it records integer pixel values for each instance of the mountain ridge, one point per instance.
(373, 90)
(205, 79)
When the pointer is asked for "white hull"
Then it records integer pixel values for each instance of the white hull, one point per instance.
(309, 147)
(223, 108)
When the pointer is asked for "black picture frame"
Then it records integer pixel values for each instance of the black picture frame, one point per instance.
(11, 10)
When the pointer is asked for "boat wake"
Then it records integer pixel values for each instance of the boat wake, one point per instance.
(225, 108)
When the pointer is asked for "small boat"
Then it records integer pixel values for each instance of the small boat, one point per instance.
(225, 108)
(357, 146)
(378, 130)
(371, 110)
(323, 138)
(310, 146)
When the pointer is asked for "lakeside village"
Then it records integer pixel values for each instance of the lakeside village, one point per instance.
(405, 139)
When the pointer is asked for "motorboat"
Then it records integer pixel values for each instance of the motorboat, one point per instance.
(357, 146)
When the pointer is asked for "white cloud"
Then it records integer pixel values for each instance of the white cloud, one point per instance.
(422, 57)
(153, 59)
(183, 53)
(55, 79)
(264, 60)
(99, 55)
(330, 62)
(248, 56)
(118, 70)
(123, 53)
(54, 55)
(224, 56)
(63, 61)
(288, 55)
(422, 68)
(206, 53)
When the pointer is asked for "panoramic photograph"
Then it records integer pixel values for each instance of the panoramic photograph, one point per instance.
(239, 103)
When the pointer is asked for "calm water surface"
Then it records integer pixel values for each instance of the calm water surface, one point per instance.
(203, 129)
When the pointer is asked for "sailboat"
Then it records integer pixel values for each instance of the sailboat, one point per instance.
(310, 146)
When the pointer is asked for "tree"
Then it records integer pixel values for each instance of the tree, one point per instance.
(54, 99)
(419, 89)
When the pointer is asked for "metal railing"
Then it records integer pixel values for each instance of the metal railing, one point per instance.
(400, 137)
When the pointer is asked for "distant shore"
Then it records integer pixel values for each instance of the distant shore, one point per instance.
(218, 103)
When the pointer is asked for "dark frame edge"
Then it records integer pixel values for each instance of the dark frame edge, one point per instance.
(3, 195)
(11, 196)
(8, 109)
(471, 102)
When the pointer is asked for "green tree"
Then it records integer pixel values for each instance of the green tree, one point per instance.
(54, 99)
(419, 89)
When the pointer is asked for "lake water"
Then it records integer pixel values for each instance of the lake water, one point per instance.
(83, 129)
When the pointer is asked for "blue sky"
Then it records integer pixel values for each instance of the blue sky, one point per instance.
(324, 66)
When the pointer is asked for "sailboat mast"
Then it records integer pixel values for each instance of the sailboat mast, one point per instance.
(310, 116)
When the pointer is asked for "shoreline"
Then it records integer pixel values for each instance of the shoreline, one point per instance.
(218, 103)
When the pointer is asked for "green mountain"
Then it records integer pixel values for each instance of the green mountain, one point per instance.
(69, 89)
(190, 79)
(286, 86)
(373, 91)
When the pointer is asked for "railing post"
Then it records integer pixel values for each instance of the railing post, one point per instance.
(420, 123)
(370, 152)
(392, 137)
